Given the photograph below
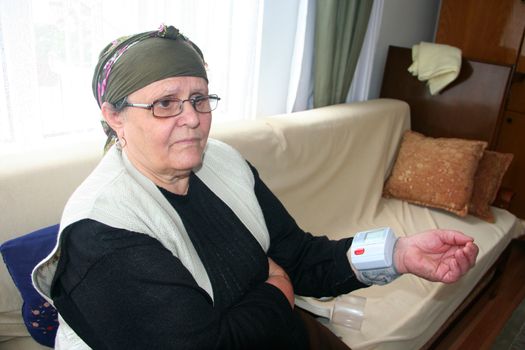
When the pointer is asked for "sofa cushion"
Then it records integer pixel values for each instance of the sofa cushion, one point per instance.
(492, 167)
(435, 172)
(416, 308)
(20, 256)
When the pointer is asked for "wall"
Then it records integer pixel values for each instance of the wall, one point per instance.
(404, 23)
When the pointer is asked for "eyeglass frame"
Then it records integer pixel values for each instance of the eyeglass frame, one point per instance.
(191, 100)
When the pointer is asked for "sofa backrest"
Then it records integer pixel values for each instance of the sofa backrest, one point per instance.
(316, 160)
(324, 159)
(35, 185)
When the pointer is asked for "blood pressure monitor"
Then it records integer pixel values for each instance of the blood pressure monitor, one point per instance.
(373, 249)
(371, 255)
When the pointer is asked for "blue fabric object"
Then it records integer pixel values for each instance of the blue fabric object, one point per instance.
(20, 256)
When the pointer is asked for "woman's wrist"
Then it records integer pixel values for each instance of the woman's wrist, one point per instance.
(284, 285)
(399, 252)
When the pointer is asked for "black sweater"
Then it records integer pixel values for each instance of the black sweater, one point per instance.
(123, 290)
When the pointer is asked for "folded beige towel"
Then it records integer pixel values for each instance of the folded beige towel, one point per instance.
(437, 63)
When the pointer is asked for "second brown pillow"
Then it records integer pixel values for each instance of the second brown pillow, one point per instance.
(487, 181)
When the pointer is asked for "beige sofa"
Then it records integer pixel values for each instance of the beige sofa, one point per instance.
(328, 167)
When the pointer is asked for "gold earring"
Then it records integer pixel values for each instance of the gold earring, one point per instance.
(121, 143)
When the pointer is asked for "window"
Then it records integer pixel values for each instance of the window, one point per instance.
(49, 48)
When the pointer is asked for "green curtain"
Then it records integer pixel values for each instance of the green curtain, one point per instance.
(340, 28)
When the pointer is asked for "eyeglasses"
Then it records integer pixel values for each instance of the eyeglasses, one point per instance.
(167, 107)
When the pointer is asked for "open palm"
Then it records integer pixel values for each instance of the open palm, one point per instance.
(436, 255)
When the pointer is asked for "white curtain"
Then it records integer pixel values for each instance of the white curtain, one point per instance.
(360, 88)
(49, 48)
(300, 89)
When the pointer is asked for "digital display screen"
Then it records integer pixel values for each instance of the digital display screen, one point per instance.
(375, 236)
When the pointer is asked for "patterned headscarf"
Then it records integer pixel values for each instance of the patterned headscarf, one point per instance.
(133, 62)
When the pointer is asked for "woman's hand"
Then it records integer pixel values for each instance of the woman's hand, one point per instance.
(279, 278)
(436, 255)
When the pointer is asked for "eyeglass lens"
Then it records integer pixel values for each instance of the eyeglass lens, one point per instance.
(173, 107)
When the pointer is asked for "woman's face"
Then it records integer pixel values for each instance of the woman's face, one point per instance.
(164, 149)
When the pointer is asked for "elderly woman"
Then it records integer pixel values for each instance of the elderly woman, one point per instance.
(174, 242)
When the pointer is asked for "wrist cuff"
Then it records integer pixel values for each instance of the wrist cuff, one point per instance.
(377, 276)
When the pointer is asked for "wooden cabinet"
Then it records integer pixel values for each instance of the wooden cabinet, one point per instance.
(486, 30)
(494, 31)
(512, 134)
(521, 61)
(516, 95)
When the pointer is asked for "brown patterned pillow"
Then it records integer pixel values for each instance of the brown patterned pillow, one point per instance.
(491, 168)
(435, 172)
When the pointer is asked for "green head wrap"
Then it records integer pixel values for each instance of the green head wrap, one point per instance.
(130, 63)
